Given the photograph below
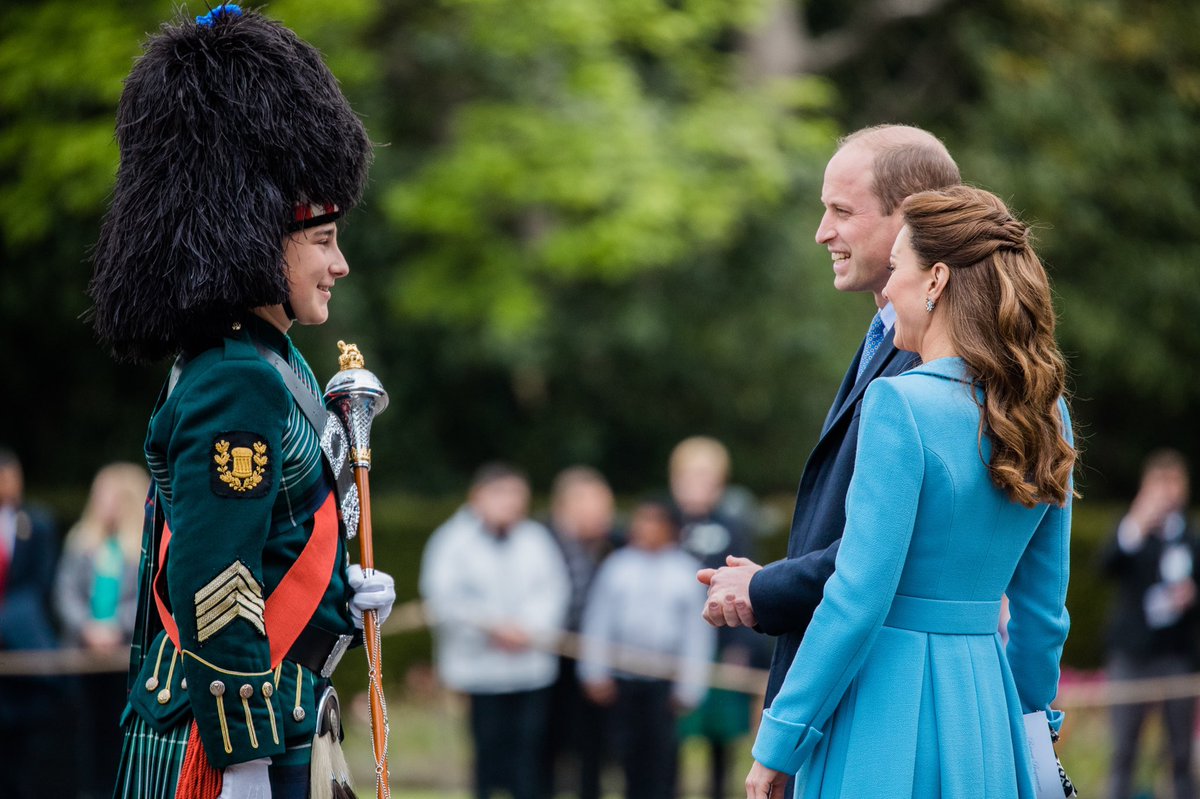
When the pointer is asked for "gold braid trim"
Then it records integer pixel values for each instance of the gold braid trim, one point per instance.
(164, 695)
(299, 685)
(158, 662)
(224, 726)
(271, 713)
(221, 700)
(215, 667)
(250, 723)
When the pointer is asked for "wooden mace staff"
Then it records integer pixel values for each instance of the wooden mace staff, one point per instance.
(356, 396)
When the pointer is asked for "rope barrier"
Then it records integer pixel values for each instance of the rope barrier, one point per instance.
(55, 662)
(411, 617)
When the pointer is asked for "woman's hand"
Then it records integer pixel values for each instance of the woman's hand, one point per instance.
(763, 783)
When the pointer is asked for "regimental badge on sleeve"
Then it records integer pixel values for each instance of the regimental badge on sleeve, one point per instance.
(241, 465)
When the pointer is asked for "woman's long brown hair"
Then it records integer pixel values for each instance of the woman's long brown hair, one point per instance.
(1001, 320)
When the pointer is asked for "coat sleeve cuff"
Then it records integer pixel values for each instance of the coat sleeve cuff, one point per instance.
(238, 714)
(783, 746)
(762, 591)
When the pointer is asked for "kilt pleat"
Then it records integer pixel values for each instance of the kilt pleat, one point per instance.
(150, 761)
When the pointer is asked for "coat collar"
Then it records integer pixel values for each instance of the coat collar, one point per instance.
(256, 328)
(949, 368)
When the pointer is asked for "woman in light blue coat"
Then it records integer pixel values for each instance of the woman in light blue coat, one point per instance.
(961, 494)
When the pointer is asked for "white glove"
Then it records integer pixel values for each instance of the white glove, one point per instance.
(247, 780)
(375, 591)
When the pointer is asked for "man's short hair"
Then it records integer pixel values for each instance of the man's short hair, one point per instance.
(496, 470)
(573, 476)
(664, 506)
(9, 459)
(1164, 459)
(907, 160)
(700, 448)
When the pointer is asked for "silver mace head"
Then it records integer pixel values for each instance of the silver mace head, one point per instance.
(355, 396)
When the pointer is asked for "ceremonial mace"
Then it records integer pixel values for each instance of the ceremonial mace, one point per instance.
(356, 396)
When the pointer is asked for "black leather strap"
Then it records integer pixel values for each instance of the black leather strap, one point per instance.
(312, 648)
(314, 410)
(310, 404)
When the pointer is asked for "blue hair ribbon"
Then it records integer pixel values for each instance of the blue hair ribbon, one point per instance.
(207, 20)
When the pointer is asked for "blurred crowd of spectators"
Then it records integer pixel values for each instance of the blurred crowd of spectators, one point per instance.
(58, 732)
(505, 591)
(501, 588)
(577, 637)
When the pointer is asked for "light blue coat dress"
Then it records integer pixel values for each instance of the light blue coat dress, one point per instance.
(902, 686)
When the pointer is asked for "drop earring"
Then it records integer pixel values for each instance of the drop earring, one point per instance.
(929, 305)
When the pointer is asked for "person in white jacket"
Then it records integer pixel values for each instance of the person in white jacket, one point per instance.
(646, 649)
(497, 590)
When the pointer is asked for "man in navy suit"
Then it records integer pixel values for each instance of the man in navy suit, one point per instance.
(32, 717)
(28, 546)
(873, 170)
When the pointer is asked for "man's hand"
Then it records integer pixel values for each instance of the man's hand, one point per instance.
(763, 783)
(247, 780)
(728, 602)
(1183, 594)
(601, 692)
(1151, 506)
(101, 637)
(510, 637)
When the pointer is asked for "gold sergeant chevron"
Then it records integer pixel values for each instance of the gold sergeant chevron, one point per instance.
(232, 594)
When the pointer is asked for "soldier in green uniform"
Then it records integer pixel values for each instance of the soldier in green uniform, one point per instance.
(238, 155)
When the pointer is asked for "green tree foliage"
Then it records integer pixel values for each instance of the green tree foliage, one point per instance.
(580, 242)
(56, 147)
(1090, 125)
(589, 228)
(61, 66)
(603, 140)
(574, 215)
(68, 408)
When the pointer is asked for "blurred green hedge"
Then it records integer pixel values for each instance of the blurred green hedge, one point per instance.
(1089, 596)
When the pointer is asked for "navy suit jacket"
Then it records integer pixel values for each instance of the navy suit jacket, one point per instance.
(784, 594)
(25, 618)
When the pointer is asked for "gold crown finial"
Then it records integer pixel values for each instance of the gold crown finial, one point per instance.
(350, 358)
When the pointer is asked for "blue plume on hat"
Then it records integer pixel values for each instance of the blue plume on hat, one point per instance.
(207, 20)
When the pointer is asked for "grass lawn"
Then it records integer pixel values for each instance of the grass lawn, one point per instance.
(430, 754)
(430, 751)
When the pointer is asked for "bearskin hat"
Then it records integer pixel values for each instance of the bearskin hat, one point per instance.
(227, 125)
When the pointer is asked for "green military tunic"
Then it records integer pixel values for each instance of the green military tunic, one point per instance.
(243, 489)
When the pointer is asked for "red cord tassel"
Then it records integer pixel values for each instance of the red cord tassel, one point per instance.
(197, 778)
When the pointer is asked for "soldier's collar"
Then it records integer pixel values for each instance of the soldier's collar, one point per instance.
(258, 329)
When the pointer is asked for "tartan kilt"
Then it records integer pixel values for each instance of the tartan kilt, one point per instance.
(150, 760)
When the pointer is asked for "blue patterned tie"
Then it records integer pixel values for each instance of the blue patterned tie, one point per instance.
(871, 345)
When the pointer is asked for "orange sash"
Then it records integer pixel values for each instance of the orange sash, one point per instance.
(295, 599)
